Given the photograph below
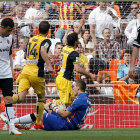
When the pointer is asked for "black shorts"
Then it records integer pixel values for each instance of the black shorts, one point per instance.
(6, 86)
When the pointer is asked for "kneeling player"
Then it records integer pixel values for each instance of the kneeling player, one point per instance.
(71, 119)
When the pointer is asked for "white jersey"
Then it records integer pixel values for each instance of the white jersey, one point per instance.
(5, 52)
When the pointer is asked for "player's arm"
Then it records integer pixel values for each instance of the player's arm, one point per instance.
(70, 110)
(133, 59)
(11, 62)
(44, 55)
(81, 70)
(64, 114)
(11, 58)
(135, 52)
(75, 58)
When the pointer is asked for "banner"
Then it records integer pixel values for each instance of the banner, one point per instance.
(100, 116)
(125, 93)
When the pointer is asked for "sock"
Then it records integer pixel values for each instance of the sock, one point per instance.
(25, 119)
(39, 112)
(15, 98)
(10, 114)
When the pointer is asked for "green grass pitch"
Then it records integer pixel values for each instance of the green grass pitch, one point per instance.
(88, 134)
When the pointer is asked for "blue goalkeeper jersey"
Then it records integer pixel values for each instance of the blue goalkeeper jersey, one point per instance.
(79, 109)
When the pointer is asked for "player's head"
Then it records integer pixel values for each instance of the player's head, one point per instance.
(79, 86)
(7, 26)
(44, 27)
(58, 48)
(72, 39)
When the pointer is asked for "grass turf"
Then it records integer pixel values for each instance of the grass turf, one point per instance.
(88, 134)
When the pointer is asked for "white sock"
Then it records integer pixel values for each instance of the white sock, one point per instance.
(10, 115)
(24, 119)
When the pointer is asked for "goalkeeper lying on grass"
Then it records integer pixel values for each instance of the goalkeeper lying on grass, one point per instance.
(61, 119)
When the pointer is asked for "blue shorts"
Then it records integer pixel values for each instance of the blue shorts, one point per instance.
(54, 122)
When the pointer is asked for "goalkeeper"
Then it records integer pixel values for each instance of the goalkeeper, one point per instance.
(70, 119)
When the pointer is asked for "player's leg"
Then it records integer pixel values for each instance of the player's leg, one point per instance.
(39, 87)
(60, 85)
(25, 122)
(23, 87)
(54, 122)
(65, 90)
(29, 118)
(7, 87)
(3, 114)
(40, 108)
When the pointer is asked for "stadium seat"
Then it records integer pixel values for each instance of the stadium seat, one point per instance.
(14, 52)
(114, 65)
(112, 74)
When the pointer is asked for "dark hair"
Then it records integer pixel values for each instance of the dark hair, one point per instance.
(7, 22)
(44, 27)
(81, 84)
(128, 51)
(72, 38)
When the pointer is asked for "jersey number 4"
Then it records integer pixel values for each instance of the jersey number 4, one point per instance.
(32, 51)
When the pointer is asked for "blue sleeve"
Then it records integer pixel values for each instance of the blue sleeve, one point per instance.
(120, 72)
(75, 105)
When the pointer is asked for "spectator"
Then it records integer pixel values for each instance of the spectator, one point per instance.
(115, 7)
(105, 79)
(19, 61)
(54, 59)
(25, 4)
(75, 28)
(131, 29)
(100, 18)
(83, 59)
(25, 31)
(67, 11)
(134, 9)
(53, 14)
(35, 13)
(108, 49)
(86, 41)
(7, 8)
(122, 74)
